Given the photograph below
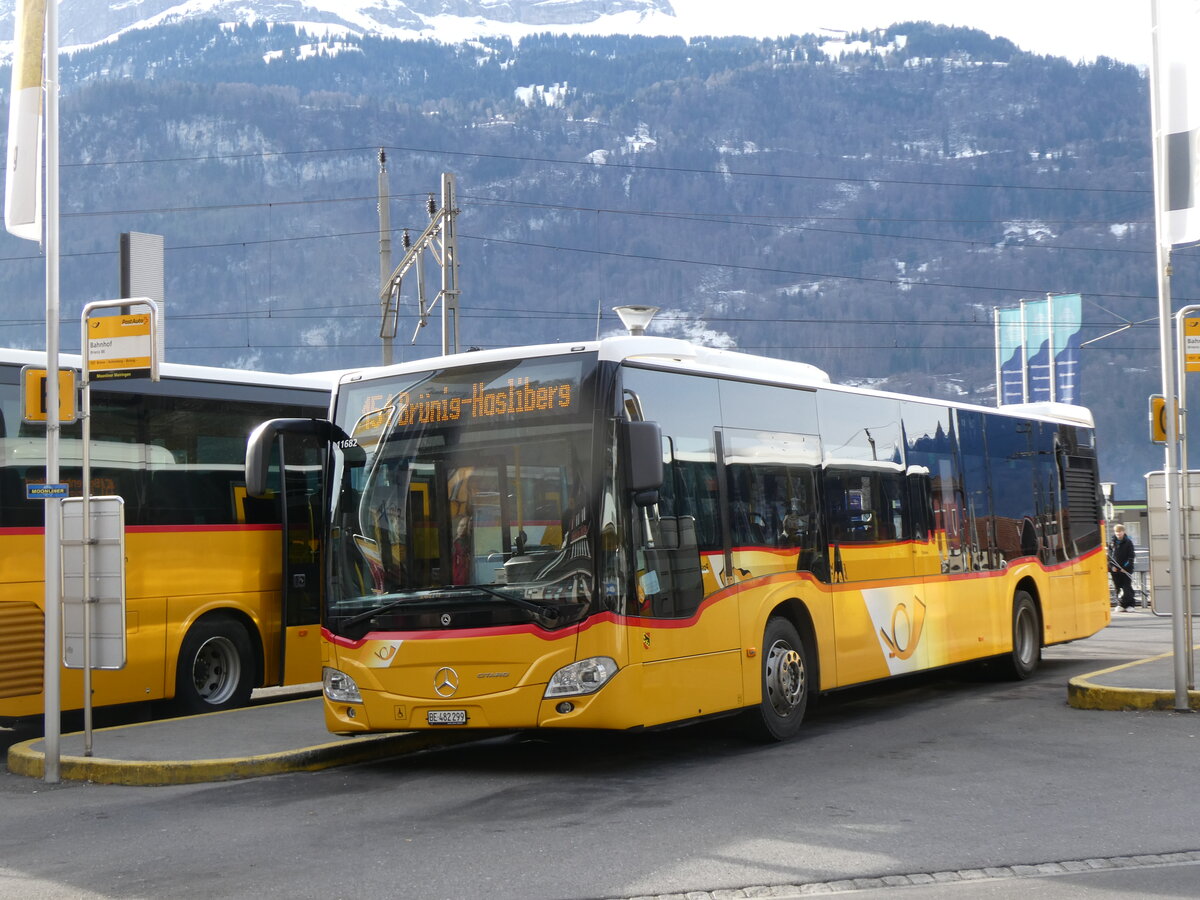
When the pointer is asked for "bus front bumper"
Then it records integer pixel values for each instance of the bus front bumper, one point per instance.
(519, 708)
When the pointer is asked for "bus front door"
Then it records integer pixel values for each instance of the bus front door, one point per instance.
(299, 657)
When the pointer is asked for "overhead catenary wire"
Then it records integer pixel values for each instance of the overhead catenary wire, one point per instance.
(797, 223)
(373, 149)
(907, 283)
(722, 219)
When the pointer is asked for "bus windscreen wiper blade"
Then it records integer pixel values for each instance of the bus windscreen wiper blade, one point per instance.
(379, 610)
(543, 613)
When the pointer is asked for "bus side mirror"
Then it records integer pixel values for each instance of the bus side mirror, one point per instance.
(262, 439)
(643, 460)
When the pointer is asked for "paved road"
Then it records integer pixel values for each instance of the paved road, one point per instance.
(930, 776)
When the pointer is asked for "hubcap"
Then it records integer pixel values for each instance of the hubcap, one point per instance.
(217, 670)
(785, 681)
(1024, 637)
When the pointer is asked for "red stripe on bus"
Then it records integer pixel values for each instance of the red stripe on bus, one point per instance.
(175, 529)
(494, 631)
(156, 529)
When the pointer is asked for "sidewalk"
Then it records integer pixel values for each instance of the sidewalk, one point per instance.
(290, 736)
(1144, 684)
(267, 739)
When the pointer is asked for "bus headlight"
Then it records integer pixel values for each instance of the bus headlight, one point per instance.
(339, 686)
(584, 677)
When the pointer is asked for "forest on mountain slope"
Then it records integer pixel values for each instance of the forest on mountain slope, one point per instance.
(863, 212)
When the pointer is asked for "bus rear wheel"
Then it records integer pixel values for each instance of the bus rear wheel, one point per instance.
(785, 683)
(216, 667)
(1026, 653)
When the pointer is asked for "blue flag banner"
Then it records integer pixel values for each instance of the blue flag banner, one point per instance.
(1010, 359)
(1068, 320)
(1037, 348)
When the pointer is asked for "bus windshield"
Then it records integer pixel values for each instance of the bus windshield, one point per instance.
(464, 500)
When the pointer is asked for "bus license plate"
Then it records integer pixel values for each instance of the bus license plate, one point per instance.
(446, 717)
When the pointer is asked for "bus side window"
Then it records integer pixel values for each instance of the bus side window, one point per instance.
(865, 493)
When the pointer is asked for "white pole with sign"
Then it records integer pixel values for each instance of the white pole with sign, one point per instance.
(115, 347)
(1188, 329)
(32, 125)
(1171, 117)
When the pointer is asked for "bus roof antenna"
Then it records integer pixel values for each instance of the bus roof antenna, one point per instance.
(636, 318)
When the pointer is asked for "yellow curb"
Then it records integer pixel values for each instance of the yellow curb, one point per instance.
(1084, 693)
(24, 760)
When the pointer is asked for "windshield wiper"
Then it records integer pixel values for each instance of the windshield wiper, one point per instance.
(542, 613)
(378, 610)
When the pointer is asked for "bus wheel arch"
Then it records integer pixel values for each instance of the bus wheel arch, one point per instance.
(218, 665)
(787, 674)
(1026, 654)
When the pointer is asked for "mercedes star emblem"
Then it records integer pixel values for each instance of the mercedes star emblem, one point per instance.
(445, 682)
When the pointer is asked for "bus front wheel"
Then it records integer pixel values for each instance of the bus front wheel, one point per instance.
(1026, 652)
(216, 667)
(785, 683)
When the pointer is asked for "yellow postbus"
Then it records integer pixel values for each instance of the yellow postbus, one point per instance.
(221, 589)
(638, 532)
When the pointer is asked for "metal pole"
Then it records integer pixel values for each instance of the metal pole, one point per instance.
(385, 255)
(999, 375)
(284, 563)
(1024, 356)
(52, 673)
(422, 306)
(1166, 347)
(1172, 485)
(1186, 477)
(1052, 369)
(449, 264)
(86, 541)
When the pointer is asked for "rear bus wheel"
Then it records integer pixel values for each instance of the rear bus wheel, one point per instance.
(216, 667)
(1026, 653)
(785, 683)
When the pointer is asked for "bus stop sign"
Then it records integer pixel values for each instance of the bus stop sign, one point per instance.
(33, 395)
(1158, 419)
(1191, 344)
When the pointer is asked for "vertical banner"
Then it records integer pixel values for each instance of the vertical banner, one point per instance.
(1068, 320)
(1177, 77)
(1010, 356)
(23, 184)
(1037, 349)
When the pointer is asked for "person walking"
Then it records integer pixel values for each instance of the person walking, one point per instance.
(1120, 563)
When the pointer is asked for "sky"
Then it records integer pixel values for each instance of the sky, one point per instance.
(1076, 29)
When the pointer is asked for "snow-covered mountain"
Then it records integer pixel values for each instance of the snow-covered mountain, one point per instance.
(84, 22)
(1075, 29)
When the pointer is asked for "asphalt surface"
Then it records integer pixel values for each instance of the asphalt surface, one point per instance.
(290, 736)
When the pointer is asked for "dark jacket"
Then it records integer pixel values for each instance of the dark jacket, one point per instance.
(1121, 553)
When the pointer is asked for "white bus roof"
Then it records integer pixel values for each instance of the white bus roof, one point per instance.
(684, 356)
(307, 380)
(677, 353)
(1067, 412)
